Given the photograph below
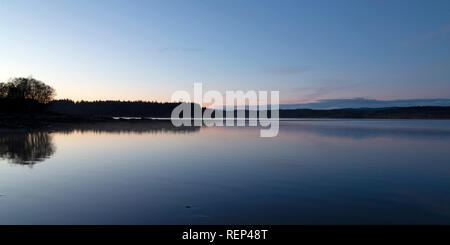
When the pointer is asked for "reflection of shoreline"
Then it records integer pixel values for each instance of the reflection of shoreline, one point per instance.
(365, 132)
(129, 126)
(26, 148)
(30, 147)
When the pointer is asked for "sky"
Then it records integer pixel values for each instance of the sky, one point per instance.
(307, 50)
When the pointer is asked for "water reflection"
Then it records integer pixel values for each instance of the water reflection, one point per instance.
(26, 148)
(350, 130)
(29, 148)
(313, 172)
(132, 126)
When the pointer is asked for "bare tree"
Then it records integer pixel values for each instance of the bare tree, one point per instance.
(27, 88)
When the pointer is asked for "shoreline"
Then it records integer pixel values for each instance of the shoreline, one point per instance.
(52, 120)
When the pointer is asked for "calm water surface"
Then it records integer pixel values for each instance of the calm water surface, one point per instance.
(313, 172)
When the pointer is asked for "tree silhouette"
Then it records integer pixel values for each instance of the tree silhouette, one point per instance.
(22, 88)
(25, 95)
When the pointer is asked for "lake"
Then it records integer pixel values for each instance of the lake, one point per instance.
(313, 172)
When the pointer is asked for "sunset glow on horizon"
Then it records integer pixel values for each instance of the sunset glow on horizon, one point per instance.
(111, 50)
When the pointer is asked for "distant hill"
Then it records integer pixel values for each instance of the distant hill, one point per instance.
(365, 103)
(154, 109)
(415, 112)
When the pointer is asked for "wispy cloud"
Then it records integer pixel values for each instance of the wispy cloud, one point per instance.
(180, 49)
(287, 70)
(314, 93)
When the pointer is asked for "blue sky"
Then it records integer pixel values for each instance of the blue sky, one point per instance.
(308, 50)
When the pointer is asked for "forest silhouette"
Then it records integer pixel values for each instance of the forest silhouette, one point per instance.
(25, 95)
(31, 96)
(28, 96)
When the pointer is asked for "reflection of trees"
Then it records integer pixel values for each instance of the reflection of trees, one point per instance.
(128, 127)
(26, 148)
